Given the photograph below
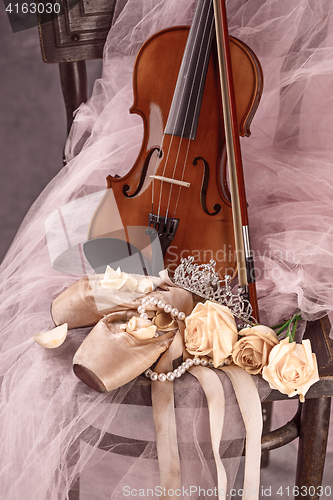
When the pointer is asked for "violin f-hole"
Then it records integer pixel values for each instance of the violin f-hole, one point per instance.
(126, 187)
(204, 186)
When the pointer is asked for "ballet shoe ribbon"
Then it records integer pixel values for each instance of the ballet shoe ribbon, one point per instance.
(165, 422)
(250, 407)
(213, 389)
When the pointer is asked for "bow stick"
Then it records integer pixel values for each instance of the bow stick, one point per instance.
(246, 275)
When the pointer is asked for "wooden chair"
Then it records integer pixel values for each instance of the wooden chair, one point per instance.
(78, 35)
(71, 38)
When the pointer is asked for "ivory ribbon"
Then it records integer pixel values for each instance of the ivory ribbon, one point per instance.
(250, 407)
(213, 389)
(165, 422)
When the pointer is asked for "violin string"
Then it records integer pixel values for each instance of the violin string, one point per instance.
(197, 103)
(187, 111)
(173, 134)
(202, 82)
(170, 144)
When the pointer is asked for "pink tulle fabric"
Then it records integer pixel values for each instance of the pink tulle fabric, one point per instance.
(51, 425)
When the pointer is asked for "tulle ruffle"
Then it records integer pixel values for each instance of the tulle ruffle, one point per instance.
(287, 163)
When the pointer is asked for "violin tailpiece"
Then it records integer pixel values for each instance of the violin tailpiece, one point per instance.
(166, 228)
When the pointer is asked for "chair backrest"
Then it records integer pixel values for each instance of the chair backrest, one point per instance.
(76, 34)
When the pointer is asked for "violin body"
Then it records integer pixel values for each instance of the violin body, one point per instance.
(205, 228)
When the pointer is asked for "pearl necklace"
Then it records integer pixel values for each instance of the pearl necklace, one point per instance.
(180, 315)
(161, 305)
(178, 372)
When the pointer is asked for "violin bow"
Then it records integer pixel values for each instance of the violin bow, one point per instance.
(244, 256)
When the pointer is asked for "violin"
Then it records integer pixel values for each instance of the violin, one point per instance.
(179, 183)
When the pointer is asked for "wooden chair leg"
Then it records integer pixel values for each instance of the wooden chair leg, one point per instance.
(73, 77)
(73, 457)
(267, 417)
(74, 493)
(313, 435)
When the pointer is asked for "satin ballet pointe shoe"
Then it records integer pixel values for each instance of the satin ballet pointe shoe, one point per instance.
(91, 298)
(109, 357)
(76, 306)
(86, 302)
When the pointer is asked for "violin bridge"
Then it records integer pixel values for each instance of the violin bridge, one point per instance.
(170, 181)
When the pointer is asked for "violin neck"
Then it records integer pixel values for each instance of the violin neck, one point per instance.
(186, 103)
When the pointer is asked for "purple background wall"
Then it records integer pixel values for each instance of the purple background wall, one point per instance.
(32, 124)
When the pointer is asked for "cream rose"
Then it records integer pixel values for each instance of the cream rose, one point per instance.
(140, 328)
(145, 285)
(118, 280)
(292, 368)
(210, 331)
(124, 282)
(252, 350)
